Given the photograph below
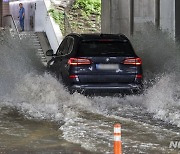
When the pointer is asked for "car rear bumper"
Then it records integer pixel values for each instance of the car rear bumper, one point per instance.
(107, 88)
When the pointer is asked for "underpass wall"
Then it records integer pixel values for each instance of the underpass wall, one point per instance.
(177, 20)
(45, 23)
(116, 16)
(167, 16)
(130, 16)
(1, 13)
(144, 11)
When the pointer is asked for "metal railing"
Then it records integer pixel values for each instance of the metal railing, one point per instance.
(11, 24)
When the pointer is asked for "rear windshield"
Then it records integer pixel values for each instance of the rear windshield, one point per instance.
(105, 48)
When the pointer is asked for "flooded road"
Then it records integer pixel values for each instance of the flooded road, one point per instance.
(19, 135)
(38, 115)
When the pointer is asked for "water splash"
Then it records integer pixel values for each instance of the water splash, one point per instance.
(163, 100)
(88, 121)
(159, 52)
(17, 59)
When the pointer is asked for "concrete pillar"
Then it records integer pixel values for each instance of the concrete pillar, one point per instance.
(1, 13)
(157, 13)
(177, 19)
(129, 16)
(167, 16)
(106, 16)
(144, 11)
(116, 16)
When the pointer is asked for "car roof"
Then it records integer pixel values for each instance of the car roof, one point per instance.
(99, 36)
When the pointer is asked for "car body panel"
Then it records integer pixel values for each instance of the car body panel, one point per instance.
(105, 71)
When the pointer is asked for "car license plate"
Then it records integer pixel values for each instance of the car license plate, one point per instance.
(107, 66)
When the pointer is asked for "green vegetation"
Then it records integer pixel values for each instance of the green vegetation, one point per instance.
(88, 6)
(82, 17)
(58, 16)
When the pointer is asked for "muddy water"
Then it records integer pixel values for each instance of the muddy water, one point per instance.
(19, 135)
(38, 115)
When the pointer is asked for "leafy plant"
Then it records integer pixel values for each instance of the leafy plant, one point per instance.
(83, 16)
(88, 6)
(58, 16)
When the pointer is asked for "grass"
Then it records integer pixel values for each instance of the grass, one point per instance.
(88, 6)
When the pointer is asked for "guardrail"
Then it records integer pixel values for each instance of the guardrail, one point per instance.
(11, 24)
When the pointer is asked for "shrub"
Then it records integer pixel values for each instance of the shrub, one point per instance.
(88, 6)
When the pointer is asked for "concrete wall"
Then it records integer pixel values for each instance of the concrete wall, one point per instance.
(120, 21)
(116, 16)
(167, 15)
(6, 21)
(177, 19)
(106, 16)
(144, 11)
(40, 15)
(129, 16)
(6, 8)
(45, 23)
(0, 13)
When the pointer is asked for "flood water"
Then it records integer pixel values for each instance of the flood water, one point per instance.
(38, 115)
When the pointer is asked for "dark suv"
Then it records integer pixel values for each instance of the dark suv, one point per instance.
(97, 63)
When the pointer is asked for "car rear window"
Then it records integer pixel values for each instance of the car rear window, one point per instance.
(105, 48)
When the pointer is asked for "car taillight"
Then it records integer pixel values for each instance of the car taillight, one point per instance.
(139, 76)
(79, 61)
(73, 76)
(133, 61)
